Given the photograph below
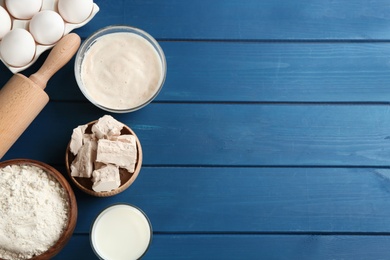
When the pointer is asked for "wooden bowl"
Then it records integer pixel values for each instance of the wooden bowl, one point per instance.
(127, 178)
(70, 197)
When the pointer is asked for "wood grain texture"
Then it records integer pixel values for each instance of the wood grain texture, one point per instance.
(248, 19)
(269, 139)
(260, 72)
(228, 134)
(21, 100)
(254, 200)
(283, 247)
(60, 55)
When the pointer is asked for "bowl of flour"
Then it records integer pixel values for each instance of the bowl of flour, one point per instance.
(38, 210)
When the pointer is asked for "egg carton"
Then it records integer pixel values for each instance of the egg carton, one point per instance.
(39, 49)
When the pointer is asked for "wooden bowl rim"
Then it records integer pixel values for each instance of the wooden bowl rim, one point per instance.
(72, 210)
(123, 186)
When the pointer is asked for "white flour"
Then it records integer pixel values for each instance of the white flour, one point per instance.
(33, 211)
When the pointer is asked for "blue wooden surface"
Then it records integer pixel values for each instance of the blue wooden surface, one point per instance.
(269, 140)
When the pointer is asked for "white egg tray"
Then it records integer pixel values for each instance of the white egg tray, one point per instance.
(24, 24)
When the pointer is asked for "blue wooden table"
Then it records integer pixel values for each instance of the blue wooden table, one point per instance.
(269, 140)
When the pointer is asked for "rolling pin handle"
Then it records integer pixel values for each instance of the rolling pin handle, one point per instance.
(62, 52)
(22, 98)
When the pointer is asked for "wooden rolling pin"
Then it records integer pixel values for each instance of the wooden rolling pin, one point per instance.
(22, 98)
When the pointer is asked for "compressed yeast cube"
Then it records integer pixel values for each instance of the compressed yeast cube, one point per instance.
(122, 154)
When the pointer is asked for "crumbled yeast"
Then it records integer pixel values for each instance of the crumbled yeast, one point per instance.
(100, 151)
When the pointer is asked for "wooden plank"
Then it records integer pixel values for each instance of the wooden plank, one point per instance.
(254, 200)
(276, 72)
(249, 247)
(256, 72)
(248, 19)
(228, 134)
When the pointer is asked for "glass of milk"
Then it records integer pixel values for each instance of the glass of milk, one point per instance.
(120, 68)
(121, 232)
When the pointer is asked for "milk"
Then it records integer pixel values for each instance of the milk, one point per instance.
(121, 232)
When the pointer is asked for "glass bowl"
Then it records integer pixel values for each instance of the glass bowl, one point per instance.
(115, 73)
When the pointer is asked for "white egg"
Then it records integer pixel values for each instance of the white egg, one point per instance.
(17, 48)
(23, 9)
(5, 22)
(75, 11)
(47, 27)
